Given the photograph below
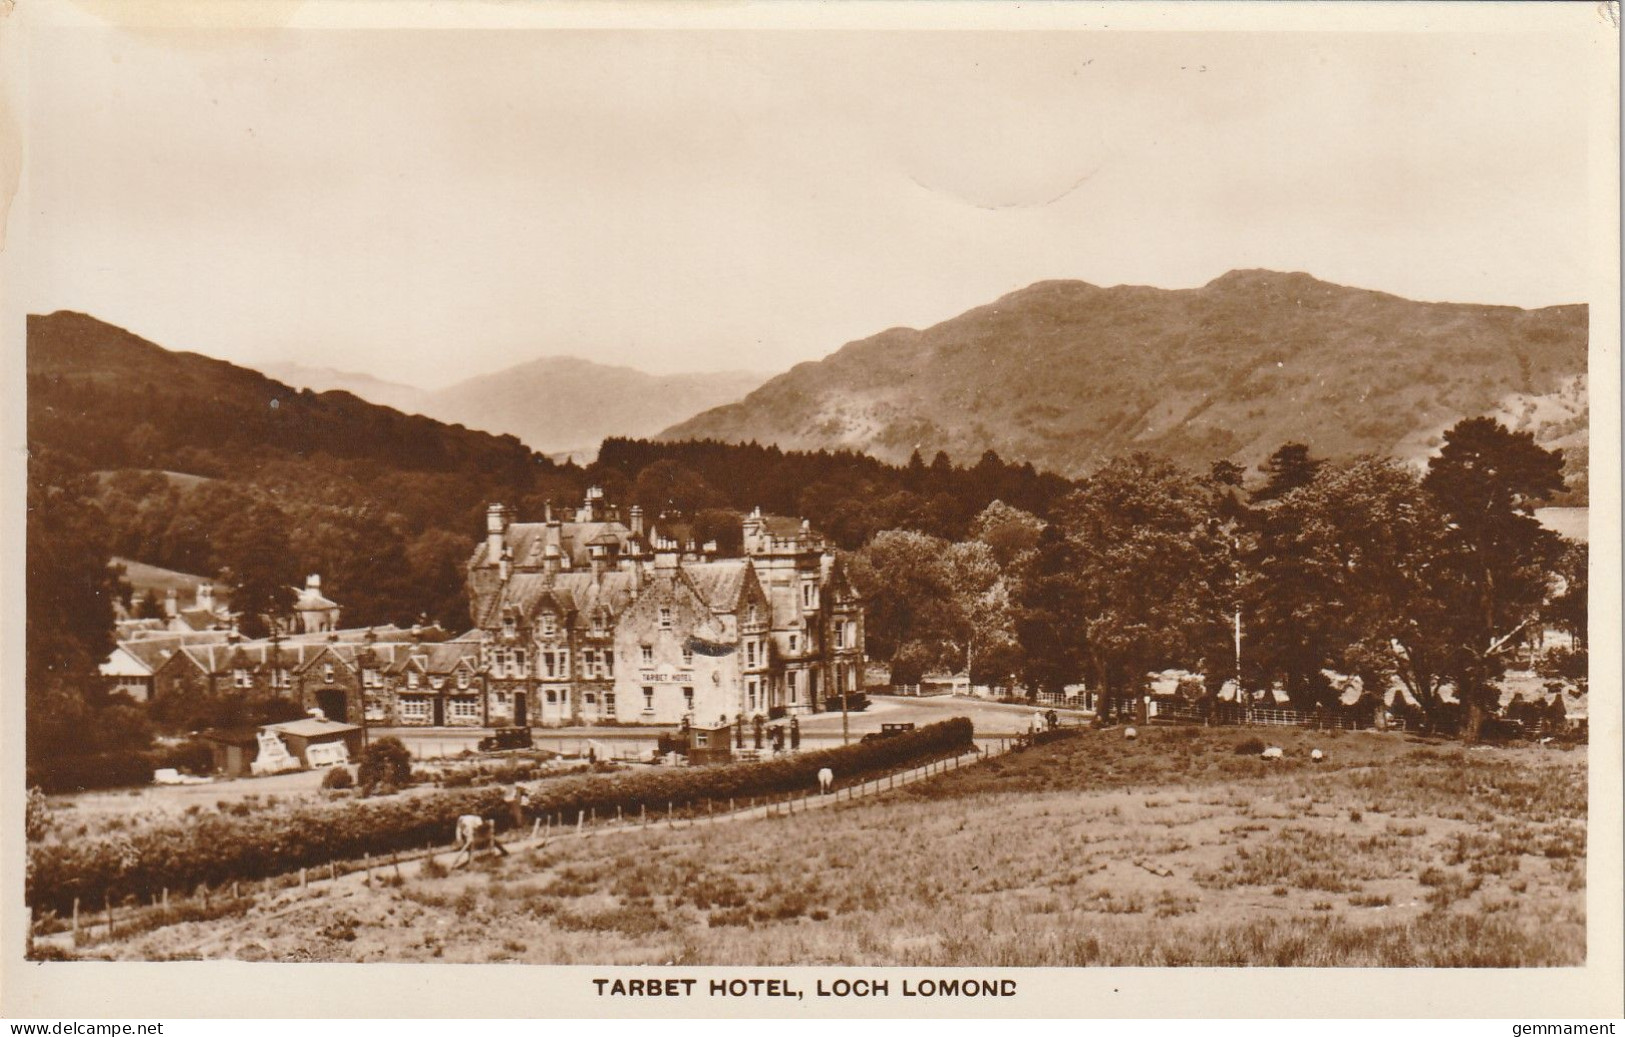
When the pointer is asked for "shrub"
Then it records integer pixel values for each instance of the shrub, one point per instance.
(111, 770)
(1249, 747)
(192, 756)
(219, 848)
(38, 816)
(338, 778)
(385, 764)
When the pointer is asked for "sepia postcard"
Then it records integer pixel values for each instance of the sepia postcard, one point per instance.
(893, 510)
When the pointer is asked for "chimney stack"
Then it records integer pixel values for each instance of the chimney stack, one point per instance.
(496, 529)
(172, 603)
(637, 521)
(205, 596)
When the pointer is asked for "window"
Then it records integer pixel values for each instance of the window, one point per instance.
(598, 623)
(564, 664)
(519, 662)
(840, 635)
(688, 656)
(795, 692)
(609, 663)
(552, 696)
(590, 699)
(648, 699)
(416, 708)
(750, 690)
(411, 678)
(502, 698)
(547, 664)
(609, 702)
(281, 678)
(549, 624)
(508, 623)
(852, 633)
(241, 678)
(751, 615)
(794, 644)
(462, 678)
(465, 708)
(648, 655)
(700, 739)
(808, 598)
(372, 678)
(327, 672)
(688, 699)
(665, 618)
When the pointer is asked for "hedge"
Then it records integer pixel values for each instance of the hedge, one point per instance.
(124, 768)
(183, 854)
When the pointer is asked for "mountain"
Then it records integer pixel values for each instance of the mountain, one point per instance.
(408, 399)
(565, 404)
(1066, 374)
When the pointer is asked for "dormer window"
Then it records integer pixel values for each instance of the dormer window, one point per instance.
(665, 618)
(598, 624)
(752, 616)
(462, 679)
(509, 624)
(327, 672)
(411, 678)
(549, 624)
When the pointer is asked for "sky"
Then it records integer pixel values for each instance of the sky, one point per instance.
(427, 206)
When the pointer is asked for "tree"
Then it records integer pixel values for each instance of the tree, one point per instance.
(1009, 532)
(1051, 612)
(1150, 563)
(1287, 469)
(908, 596)
(252, 554)
(386, 765)
(1487, 481)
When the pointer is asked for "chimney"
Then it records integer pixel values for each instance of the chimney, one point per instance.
(547, 512)
(496, 529)
(637, 521)
(597, 553)
(637, 577)
(710, 549)
(205, 596)
(313, 582)
(172, 603)
(505, 564)
(233, 635)
(550, 559)
(417, 633)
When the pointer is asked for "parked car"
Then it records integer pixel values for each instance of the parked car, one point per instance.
(506, 738)
(887, 731)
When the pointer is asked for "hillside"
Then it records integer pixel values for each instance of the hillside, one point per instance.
(559, 404)
(116, 400)
(1065, 374)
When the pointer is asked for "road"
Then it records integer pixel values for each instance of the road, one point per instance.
(818, 730)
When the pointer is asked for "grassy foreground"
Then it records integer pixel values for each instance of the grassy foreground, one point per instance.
(1170, 850)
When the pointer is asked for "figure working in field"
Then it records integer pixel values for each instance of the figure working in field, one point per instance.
(474, 832)
(518, 803)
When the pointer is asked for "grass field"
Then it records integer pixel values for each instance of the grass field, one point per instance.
(1170, 850)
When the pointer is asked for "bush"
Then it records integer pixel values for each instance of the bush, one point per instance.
(338, 778)
(220, 848)
(1249, 747)
(112, 770)
(385, 764)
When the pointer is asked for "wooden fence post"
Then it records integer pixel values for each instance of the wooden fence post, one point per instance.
(107, 901)
(166, 900)
(76, 921)
(581, 819)
(367, 862)
(304, 881)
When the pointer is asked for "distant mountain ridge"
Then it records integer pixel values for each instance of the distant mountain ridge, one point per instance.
(557, 405)
(1066, 374)
(567, 404)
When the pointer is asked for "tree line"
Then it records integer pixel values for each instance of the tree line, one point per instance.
(1366, 567)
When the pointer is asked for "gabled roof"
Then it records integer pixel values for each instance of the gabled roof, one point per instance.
(527, 543)
(437, 658)
(719, 584)
(124, 663)
(310, 727)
